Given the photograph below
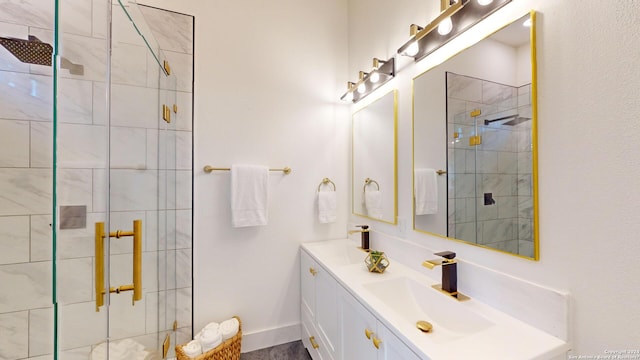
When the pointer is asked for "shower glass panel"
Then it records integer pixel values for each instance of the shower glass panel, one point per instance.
(115, 187)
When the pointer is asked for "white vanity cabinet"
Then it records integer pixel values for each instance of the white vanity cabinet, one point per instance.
(319, 310)
(366, 338)
(335, 326)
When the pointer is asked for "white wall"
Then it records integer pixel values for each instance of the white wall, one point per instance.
(587, 76)
(268, 77)
(588, 169)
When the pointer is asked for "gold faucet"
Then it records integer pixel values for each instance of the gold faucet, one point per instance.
(449, 265)
(364, 239)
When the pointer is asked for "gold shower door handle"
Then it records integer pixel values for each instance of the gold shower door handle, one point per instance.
(136, 287)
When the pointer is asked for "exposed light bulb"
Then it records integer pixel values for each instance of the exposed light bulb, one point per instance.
(484, 2)
(374, 77)
(412, 50)
(348, 96)
(527, 23)
(362, 88)
(445, 26)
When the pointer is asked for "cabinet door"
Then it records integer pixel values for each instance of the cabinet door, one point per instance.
(358, 328)
(327, 312)
(391, 347)
(308, 269)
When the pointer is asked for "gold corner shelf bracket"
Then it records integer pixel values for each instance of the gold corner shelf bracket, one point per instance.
(208, 169)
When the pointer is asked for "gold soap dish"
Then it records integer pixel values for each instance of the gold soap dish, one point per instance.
(376, 261)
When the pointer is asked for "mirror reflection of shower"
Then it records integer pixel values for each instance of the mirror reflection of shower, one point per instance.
(490, 141)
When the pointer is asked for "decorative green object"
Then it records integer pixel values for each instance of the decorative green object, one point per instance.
(376, 261)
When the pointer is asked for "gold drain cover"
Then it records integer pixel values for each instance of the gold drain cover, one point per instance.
(424, 326)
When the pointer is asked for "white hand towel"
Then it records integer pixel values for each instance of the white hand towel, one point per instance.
(193, 348)
(426, 191)
(327, 206)
(229, 328)
(210, 338)
(249, 195)
(373, 202)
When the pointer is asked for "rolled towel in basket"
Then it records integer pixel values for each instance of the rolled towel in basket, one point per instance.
(193, 348)
(211, 326)
(210, 338)
(229, 328)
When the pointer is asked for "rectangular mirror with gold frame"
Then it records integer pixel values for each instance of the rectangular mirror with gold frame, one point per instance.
(374, 164)
(474, 145)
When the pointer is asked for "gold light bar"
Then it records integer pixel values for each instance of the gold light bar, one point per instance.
(448, 12)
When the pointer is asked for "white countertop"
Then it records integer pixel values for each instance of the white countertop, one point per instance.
(505, 338)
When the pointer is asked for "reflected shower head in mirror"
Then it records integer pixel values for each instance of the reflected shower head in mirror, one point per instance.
(513, 120)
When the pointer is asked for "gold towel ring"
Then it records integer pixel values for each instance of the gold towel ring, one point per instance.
(327, 181)
(368, 181)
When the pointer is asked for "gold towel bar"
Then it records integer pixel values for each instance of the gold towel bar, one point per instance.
(368, 181)
(210, 168)
(327, 181)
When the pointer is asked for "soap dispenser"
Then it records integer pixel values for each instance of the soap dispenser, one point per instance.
(364, 238)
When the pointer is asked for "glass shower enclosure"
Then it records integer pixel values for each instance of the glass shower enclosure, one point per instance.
(87, 183)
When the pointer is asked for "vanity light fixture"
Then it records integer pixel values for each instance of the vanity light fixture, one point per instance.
(383, 71)
(455, 17)
(362, 87)
(374, 77)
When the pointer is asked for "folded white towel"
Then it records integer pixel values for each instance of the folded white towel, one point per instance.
(211, 325)
(193, 348)
(229, 328)
(210, 338)
(426, 191)
(249, 195)
(373, 202)
(327, 206)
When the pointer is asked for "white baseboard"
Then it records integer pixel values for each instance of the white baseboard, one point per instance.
(270, 337)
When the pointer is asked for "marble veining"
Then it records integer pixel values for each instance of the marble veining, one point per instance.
(14, 329)
(40, 331)
(14, 143)
(173, 32)
(25, 96)
(31, 284)
(464, 88)
(27, 12)
(14, 239)
(75, 101)
(25, 191)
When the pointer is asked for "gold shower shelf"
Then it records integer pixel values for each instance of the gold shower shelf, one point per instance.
(210, 168)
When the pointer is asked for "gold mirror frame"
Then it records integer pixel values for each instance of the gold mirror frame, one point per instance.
(361, 182)
(534, 143)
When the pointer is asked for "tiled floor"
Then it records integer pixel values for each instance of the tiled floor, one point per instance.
(289, 351)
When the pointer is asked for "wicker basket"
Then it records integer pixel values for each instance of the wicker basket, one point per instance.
(228, 350)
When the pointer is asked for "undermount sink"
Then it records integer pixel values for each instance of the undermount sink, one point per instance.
(414, 301)
(342, 253)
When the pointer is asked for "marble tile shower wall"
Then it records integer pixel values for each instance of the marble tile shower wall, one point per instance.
(174, 33)
(501, 165)
(26, 315)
